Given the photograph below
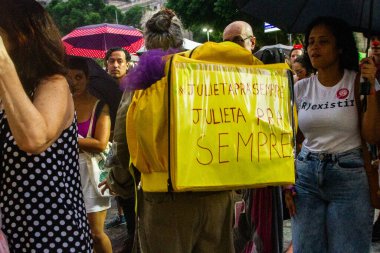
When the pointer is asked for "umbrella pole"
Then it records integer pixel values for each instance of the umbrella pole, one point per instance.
(365, 86)
(368, 46)
(373, 148)
(290, 39)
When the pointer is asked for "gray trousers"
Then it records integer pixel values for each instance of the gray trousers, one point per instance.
(189, 222)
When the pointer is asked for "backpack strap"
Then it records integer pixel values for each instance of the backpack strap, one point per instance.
(170, 182)
(98, 107)
(192, 51)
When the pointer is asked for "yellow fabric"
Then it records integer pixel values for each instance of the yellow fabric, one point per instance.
(224, 52)
(193, 144)
(155, 182)
(147, 133)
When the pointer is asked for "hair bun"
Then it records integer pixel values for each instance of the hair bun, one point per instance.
(161, 21)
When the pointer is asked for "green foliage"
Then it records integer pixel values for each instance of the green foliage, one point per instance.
(109, 14)
(217, 14)
(195, 15)
(133, 16)
(74, 13)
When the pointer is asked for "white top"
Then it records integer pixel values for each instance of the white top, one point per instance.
(327, 116)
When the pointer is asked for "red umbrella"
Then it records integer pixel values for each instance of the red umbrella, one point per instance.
(93, 41)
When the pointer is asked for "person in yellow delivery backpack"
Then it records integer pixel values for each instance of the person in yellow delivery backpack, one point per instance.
(169, 221)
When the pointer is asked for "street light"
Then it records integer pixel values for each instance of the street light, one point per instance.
(208, 31)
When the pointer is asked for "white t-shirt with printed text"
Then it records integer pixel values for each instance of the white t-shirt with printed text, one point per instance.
(327, 116)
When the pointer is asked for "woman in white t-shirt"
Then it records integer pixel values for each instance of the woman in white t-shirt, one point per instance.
(331, 210)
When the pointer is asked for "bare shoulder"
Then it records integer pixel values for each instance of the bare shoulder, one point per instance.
(54, 81)
(106, 109)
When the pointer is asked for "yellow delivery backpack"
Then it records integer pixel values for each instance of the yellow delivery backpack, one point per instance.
(217, 120)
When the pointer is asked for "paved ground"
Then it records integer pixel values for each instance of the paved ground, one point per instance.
(118, 234)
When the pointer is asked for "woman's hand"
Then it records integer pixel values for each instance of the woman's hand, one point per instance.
(289, 201)
(368, 70)
(105, 186)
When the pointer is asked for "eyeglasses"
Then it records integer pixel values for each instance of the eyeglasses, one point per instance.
(239, 39)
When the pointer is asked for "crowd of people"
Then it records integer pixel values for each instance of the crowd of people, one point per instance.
(51, 125)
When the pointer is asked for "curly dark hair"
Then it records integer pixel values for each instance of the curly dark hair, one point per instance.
(36, 48)
(345, 41)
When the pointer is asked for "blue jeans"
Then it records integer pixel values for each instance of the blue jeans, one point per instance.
(333, 210)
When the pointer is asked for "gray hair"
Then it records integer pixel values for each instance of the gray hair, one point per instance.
(163, 30)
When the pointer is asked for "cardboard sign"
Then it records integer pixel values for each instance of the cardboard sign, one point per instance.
(231, 126)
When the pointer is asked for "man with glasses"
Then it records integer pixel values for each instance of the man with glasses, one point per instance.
(266, 221)
(240, 33)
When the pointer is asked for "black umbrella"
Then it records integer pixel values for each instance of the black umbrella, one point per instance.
(295, 15)
(283, 50)
(103, 86)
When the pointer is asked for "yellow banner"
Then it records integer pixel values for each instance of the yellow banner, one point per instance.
(231, 126)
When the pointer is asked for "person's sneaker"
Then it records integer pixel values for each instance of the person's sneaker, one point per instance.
(376, 231)
(116, 221)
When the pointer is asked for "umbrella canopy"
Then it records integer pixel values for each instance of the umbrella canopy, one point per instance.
(284, 48)
(104, 87)
(295, 15)
(93, 41)
(189, 44)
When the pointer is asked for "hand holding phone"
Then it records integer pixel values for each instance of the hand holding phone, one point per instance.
(368, 72)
